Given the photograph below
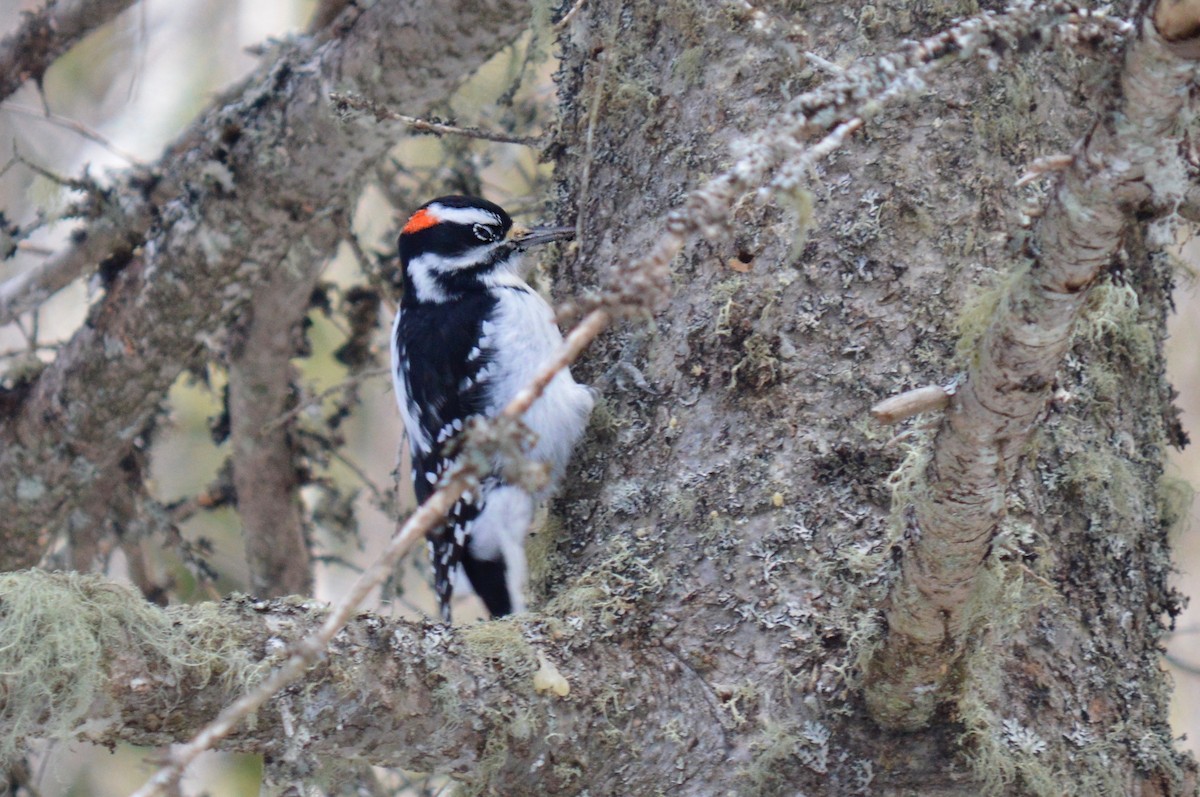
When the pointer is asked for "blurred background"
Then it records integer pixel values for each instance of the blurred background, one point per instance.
(133, 86)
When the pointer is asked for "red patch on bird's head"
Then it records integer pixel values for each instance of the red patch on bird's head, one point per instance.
(423, 219)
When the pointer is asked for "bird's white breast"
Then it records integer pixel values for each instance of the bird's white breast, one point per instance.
(522, 336)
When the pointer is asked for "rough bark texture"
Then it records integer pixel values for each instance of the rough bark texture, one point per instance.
(746, 493)
(712, 579)
(264, 459)
(1127, 158)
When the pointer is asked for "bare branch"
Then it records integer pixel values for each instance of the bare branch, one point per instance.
(1116, 168)
(346, 102)
(46, 34)
(912, 402)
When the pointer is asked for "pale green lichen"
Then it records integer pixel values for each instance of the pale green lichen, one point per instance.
(1112, 317)
(503, 642)
(61, 632)
(980, 310)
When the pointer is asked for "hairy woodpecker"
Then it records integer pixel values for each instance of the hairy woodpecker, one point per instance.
(468, 336)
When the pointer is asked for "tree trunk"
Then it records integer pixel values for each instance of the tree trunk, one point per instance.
(735, 485)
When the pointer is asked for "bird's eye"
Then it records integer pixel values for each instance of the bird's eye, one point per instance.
(484, 233)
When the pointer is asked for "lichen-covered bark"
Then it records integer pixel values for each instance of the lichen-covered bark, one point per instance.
(515, 702)
(739, 476)
(1127, 158)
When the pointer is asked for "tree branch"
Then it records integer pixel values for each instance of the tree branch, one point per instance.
(346, 103)
(1119, 166)
(496, 699)
(264, 461)
(46, 34)
(111, 235)
(253, 186)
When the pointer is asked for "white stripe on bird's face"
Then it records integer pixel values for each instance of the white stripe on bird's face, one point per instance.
(463, 215)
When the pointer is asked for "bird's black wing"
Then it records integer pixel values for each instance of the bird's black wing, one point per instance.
(440, 363)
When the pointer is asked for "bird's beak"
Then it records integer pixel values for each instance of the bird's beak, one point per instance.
(525, 237)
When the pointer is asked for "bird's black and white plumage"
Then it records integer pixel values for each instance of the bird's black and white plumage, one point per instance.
(468, 336)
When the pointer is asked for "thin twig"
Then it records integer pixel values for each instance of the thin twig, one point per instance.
(562, 24)
(311, 649)
(345, 384)
(76, 127)
(345, 102)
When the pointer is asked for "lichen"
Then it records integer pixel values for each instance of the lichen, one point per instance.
(58, 632)
(1112, 317)
(778, 749)
(1001, 750)
(503, 642)
(980, 309)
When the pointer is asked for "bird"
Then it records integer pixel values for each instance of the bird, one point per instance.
(468, 335)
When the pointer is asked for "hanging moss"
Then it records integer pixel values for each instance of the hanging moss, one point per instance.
(58, 632)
